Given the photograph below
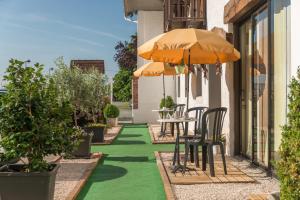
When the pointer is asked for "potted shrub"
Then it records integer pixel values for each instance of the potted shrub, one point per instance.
(111, 113)
(98, 130)
(167, 103)
(288, 166)
(33, 124)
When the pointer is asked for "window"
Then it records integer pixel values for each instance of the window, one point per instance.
(199, 82)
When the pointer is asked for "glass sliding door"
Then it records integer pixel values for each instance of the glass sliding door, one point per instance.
(260, 87)
(254, 92)
(263, 81)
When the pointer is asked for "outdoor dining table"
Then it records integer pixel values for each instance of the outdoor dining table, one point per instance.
(176, 157)
(164, 112)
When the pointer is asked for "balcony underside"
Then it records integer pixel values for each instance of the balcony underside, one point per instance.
(131, 6)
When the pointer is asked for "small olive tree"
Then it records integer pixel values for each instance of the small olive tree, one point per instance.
(71, 86)
(33, 122)
(98, 90)
(86, 90)
(288, 166)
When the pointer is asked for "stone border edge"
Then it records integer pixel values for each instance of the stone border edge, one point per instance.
(165, 179)
(74, 193)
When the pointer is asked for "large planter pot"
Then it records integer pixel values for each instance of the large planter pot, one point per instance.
(84, 148)
(112, 122)
(98, 133)
(27, 186)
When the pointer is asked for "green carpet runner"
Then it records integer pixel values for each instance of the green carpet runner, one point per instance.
(128, 169)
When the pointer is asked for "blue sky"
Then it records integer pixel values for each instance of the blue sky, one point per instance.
(42, 30)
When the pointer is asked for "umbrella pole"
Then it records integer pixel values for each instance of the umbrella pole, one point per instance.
(188, 82)
(164, 92)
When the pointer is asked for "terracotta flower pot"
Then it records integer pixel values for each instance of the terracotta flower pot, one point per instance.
(112, 122)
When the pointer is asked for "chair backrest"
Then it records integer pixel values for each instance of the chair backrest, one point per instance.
(180, 109)
(212, 123)
(198, 111)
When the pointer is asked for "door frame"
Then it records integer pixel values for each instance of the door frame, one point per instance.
(264, 4)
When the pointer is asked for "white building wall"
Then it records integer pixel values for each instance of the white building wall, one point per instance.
(150, 89)
(295, 39)
(215, 13)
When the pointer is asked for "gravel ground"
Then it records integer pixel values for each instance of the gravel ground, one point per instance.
(69, 175)
(230, 191)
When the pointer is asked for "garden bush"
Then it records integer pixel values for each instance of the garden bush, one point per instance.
(33, 122)
(288, 166)
(111, 111)
(168, 102)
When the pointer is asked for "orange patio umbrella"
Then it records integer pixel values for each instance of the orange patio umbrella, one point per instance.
(189, 46)
(157, 69)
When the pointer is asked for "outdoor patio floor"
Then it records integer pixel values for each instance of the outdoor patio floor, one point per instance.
(128, 169)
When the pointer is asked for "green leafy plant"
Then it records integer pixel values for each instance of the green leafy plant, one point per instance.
(111, 111)
(122, 85)
(288, 166)
(33, 122)
(168, 102)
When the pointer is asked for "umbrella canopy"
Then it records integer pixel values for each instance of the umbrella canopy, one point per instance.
(156, 69)
(189, 46)
(202, 46)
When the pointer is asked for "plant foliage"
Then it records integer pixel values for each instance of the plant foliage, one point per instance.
(86, 90)
(111, 111)
(126, 57)
(126, 54)
(168, 102)
(288, 167)
(122, 85)
(33, 122)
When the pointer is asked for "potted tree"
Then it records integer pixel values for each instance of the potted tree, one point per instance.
(72, 86)
(97, 84)
(33, 124)
(111, 113)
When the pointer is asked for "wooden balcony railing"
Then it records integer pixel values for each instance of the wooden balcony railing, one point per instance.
(184, 14)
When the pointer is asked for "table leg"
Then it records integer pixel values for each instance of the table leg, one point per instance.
(178, 143)
(176, 147)
(162, 128)
(176, 157)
